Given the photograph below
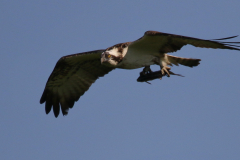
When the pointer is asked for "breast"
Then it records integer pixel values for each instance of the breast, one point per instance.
(134, 61)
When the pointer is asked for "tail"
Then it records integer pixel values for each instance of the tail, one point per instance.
(190, 62)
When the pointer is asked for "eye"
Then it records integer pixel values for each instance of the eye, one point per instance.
(109, 56)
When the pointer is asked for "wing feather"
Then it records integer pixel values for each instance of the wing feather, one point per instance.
(158, 42)
(70, 79)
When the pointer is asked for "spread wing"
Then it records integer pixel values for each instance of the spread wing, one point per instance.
(156, 42)
(70, 79)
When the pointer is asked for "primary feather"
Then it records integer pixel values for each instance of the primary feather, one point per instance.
(74, 74)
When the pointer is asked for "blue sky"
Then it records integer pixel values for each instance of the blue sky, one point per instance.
(195, 117)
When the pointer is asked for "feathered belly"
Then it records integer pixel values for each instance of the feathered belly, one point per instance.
(139, 61)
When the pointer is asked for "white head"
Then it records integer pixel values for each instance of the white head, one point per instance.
(113, 56)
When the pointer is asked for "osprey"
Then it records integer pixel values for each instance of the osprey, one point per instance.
(74, 74)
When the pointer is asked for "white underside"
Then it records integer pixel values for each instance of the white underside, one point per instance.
(133, 60)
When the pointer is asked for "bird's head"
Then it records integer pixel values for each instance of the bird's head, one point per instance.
(113, 56)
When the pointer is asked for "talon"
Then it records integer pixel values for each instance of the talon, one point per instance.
(146, 70)
(165, 70)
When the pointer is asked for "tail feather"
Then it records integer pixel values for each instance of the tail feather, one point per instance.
(190, 62)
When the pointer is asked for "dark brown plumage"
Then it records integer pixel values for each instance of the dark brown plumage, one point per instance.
(74, 74)
(65, 86)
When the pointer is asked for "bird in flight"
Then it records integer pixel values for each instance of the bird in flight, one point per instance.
(74, 74)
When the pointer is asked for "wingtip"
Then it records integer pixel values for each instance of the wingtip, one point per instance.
(47, 108)
(43, 98)
(41, 101)
(224, 38)
(64, 112)
(56, 114)
(56, 109)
